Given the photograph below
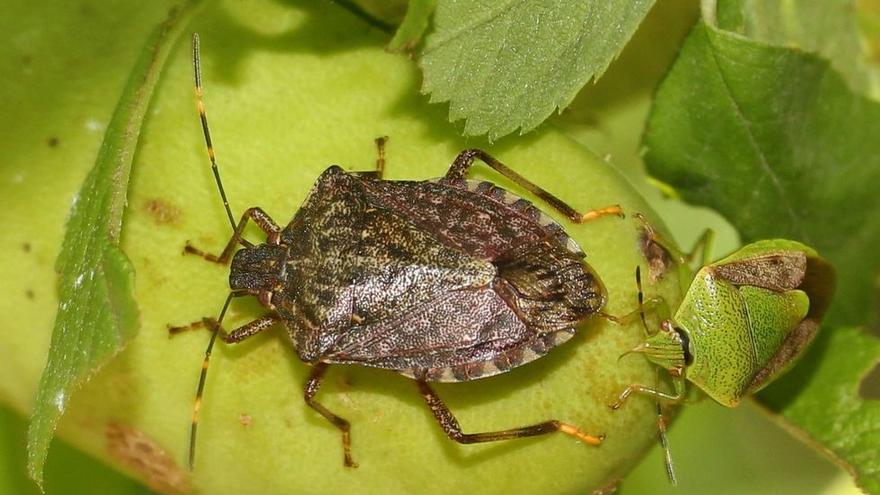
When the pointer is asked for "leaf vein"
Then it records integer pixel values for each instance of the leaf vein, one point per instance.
(756, 147)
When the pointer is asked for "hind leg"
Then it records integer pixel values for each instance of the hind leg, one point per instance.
(453, 430)
(465, 160)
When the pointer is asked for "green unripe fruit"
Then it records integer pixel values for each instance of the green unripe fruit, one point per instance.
(279, 117)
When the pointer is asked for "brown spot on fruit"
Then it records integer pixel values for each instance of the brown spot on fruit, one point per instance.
(143, 455)
(608, 488)
(659, 260)
(29, 294)
(245, 419)
(52, 142)
(26, 247)
(162, 212)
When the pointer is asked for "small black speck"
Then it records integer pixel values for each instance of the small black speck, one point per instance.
(26, 247)
(52, 142)
(29, 294)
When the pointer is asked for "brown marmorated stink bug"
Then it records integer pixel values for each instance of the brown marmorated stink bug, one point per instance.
(445, 280)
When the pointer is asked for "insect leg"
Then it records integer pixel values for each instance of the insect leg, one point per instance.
(465, 159)
(651, 305)
(654, 304)
(266, 224)
(174, 330)
(662, 427)
(704, 243)
(311, 389)
(247, 330)
(453, 430)
(676, 397)
(197, 75)
(380, 161)
(236, 335)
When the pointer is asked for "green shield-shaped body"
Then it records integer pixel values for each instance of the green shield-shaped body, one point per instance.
(749, 316)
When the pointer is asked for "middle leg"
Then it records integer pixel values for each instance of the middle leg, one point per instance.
(311, 390)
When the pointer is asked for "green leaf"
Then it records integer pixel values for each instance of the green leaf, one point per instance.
(508, 65)
(97, 313)
(827, 407)
(829, 28)
(410, 31)
(774, 139)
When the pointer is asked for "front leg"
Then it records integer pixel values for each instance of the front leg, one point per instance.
(704, 244)
(678, 383)
(266, 224)
(237, 335)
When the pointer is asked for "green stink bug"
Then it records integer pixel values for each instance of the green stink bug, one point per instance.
(744, 320)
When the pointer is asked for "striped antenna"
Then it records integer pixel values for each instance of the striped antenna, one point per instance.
(661, 418)
(641, 300)
(664, 443)
(203, 376)
(197, 69)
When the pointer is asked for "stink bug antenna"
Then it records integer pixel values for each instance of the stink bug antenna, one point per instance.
(216, 327)
(661, 418)
(641, 300)
(664, 443)
(197, 69)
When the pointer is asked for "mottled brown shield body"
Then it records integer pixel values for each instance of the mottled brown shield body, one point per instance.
(445, 280)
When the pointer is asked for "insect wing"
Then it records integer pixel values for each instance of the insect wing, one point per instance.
(781, 265)
(541, 270)
(777, 270)
(779, 329)
(476, 217)
(459, 336)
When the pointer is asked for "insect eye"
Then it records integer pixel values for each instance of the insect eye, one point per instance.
(685, 345)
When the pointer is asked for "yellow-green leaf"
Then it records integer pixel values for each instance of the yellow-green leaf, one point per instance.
(97, 314)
